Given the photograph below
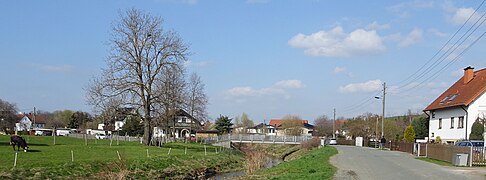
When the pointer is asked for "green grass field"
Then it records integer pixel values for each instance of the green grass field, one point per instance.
(312, 165)
(100, 160)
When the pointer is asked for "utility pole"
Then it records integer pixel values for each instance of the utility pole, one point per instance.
(334, 124)
(33, 118)
(383, 113)
(376, 132)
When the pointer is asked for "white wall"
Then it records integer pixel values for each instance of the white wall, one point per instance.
(475, 109)
(447, 133)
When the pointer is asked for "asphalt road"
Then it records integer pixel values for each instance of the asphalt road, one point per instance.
(373, 164)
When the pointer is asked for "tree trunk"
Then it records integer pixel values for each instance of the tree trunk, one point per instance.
(147, 135)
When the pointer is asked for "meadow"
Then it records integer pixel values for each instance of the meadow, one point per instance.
(312, 164)
(71, 158)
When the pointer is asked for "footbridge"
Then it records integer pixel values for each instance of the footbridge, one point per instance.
(226, 140)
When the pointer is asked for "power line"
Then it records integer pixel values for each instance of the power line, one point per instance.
(436, 74)
(449, 51)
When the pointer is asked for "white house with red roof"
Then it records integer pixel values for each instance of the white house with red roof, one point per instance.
(452, 114)
(306, 129)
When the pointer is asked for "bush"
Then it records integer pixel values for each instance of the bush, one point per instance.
(310, 144)
(409, 134)
(438, 140)
(477, 131)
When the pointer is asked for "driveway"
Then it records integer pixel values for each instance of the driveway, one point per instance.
(367, 163)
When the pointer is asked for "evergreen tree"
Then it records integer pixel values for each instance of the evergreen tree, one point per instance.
(223, 124)
(421, 127)
(477, 131)
(133, 126)
(409, 134)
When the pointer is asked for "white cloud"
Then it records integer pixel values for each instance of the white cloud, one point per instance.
(402, 9)
(290, 84)
(279, 89)
(54, 68)
(437, 32)
(191, 2)
(462, 14)
(376, 26)
(197, 64)
(337, 43)
(249, 91)
(339, 70)
(342, 70)
(457, 73)
(411, 38)
(370, 86)
(257, 1)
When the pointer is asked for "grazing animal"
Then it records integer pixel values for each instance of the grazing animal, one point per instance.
(19, 141)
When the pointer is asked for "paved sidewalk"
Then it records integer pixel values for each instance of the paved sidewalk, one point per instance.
(372, 164)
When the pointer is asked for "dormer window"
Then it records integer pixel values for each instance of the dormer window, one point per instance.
(453, 97)
(445, 99)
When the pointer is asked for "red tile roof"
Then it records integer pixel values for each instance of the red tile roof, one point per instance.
(461, 94)
(278, 122)
(39, 118)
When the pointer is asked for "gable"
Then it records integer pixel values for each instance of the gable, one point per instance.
(460, 93)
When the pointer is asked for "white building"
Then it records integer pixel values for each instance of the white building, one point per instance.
(452, 114)
(24, 124)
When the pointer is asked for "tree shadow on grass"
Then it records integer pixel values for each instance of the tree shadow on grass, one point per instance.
(28, 144)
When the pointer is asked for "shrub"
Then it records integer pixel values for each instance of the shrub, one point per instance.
(312, 143)
(477, 131)
(438, 140)
(409, 134)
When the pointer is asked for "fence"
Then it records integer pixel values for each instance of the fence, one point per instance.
(445, 152)
(113, 136)
(257, 138)
(405, 147)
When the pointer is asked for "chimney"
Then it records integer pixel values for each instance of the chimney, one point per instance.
(468, 74)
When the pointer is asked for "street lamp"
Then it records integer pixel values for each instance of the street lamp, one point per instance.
(383, 112)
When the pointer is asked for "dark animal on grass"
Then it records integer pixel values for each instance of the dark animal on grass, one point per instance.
(19, 141)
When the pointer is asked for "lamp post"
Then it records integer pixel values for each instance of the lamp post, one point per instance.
(383, 110)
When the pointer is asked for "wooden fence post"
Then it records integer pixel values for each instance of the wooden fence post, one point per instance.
(119, 157)
(15, 161)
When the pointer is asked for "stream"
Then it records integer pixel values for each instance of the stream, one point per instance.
(270, 163)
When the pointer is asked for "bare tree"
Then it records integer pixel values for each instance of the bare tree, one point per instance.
(293, 125)
(170, 93)
(7, 115)
(323, 126)
(197, 99)
(141, 52)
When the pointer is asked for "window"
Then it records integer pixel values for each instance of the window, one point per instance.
(433, 114)
(440, 123)
(184, 119)
(453, 97)
(461, 122)
(432, 135)
(445, 99)
(452, 122)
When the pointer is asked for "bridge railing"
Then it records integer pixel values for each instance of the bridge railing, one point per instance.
(257, 138)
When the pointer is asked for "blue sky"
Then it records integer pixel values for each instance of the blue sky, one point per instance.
(263, 57)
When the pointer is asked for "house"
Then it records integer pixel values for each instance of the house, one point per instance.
(23, 124)
(452, 114)
(262, 128)
(29, 121)
(285, 127)
(183, 125)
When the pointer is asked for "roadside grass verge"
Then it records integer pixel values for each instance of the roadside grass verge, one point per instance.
(311, 165)
(99, 160)
(435, 161)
